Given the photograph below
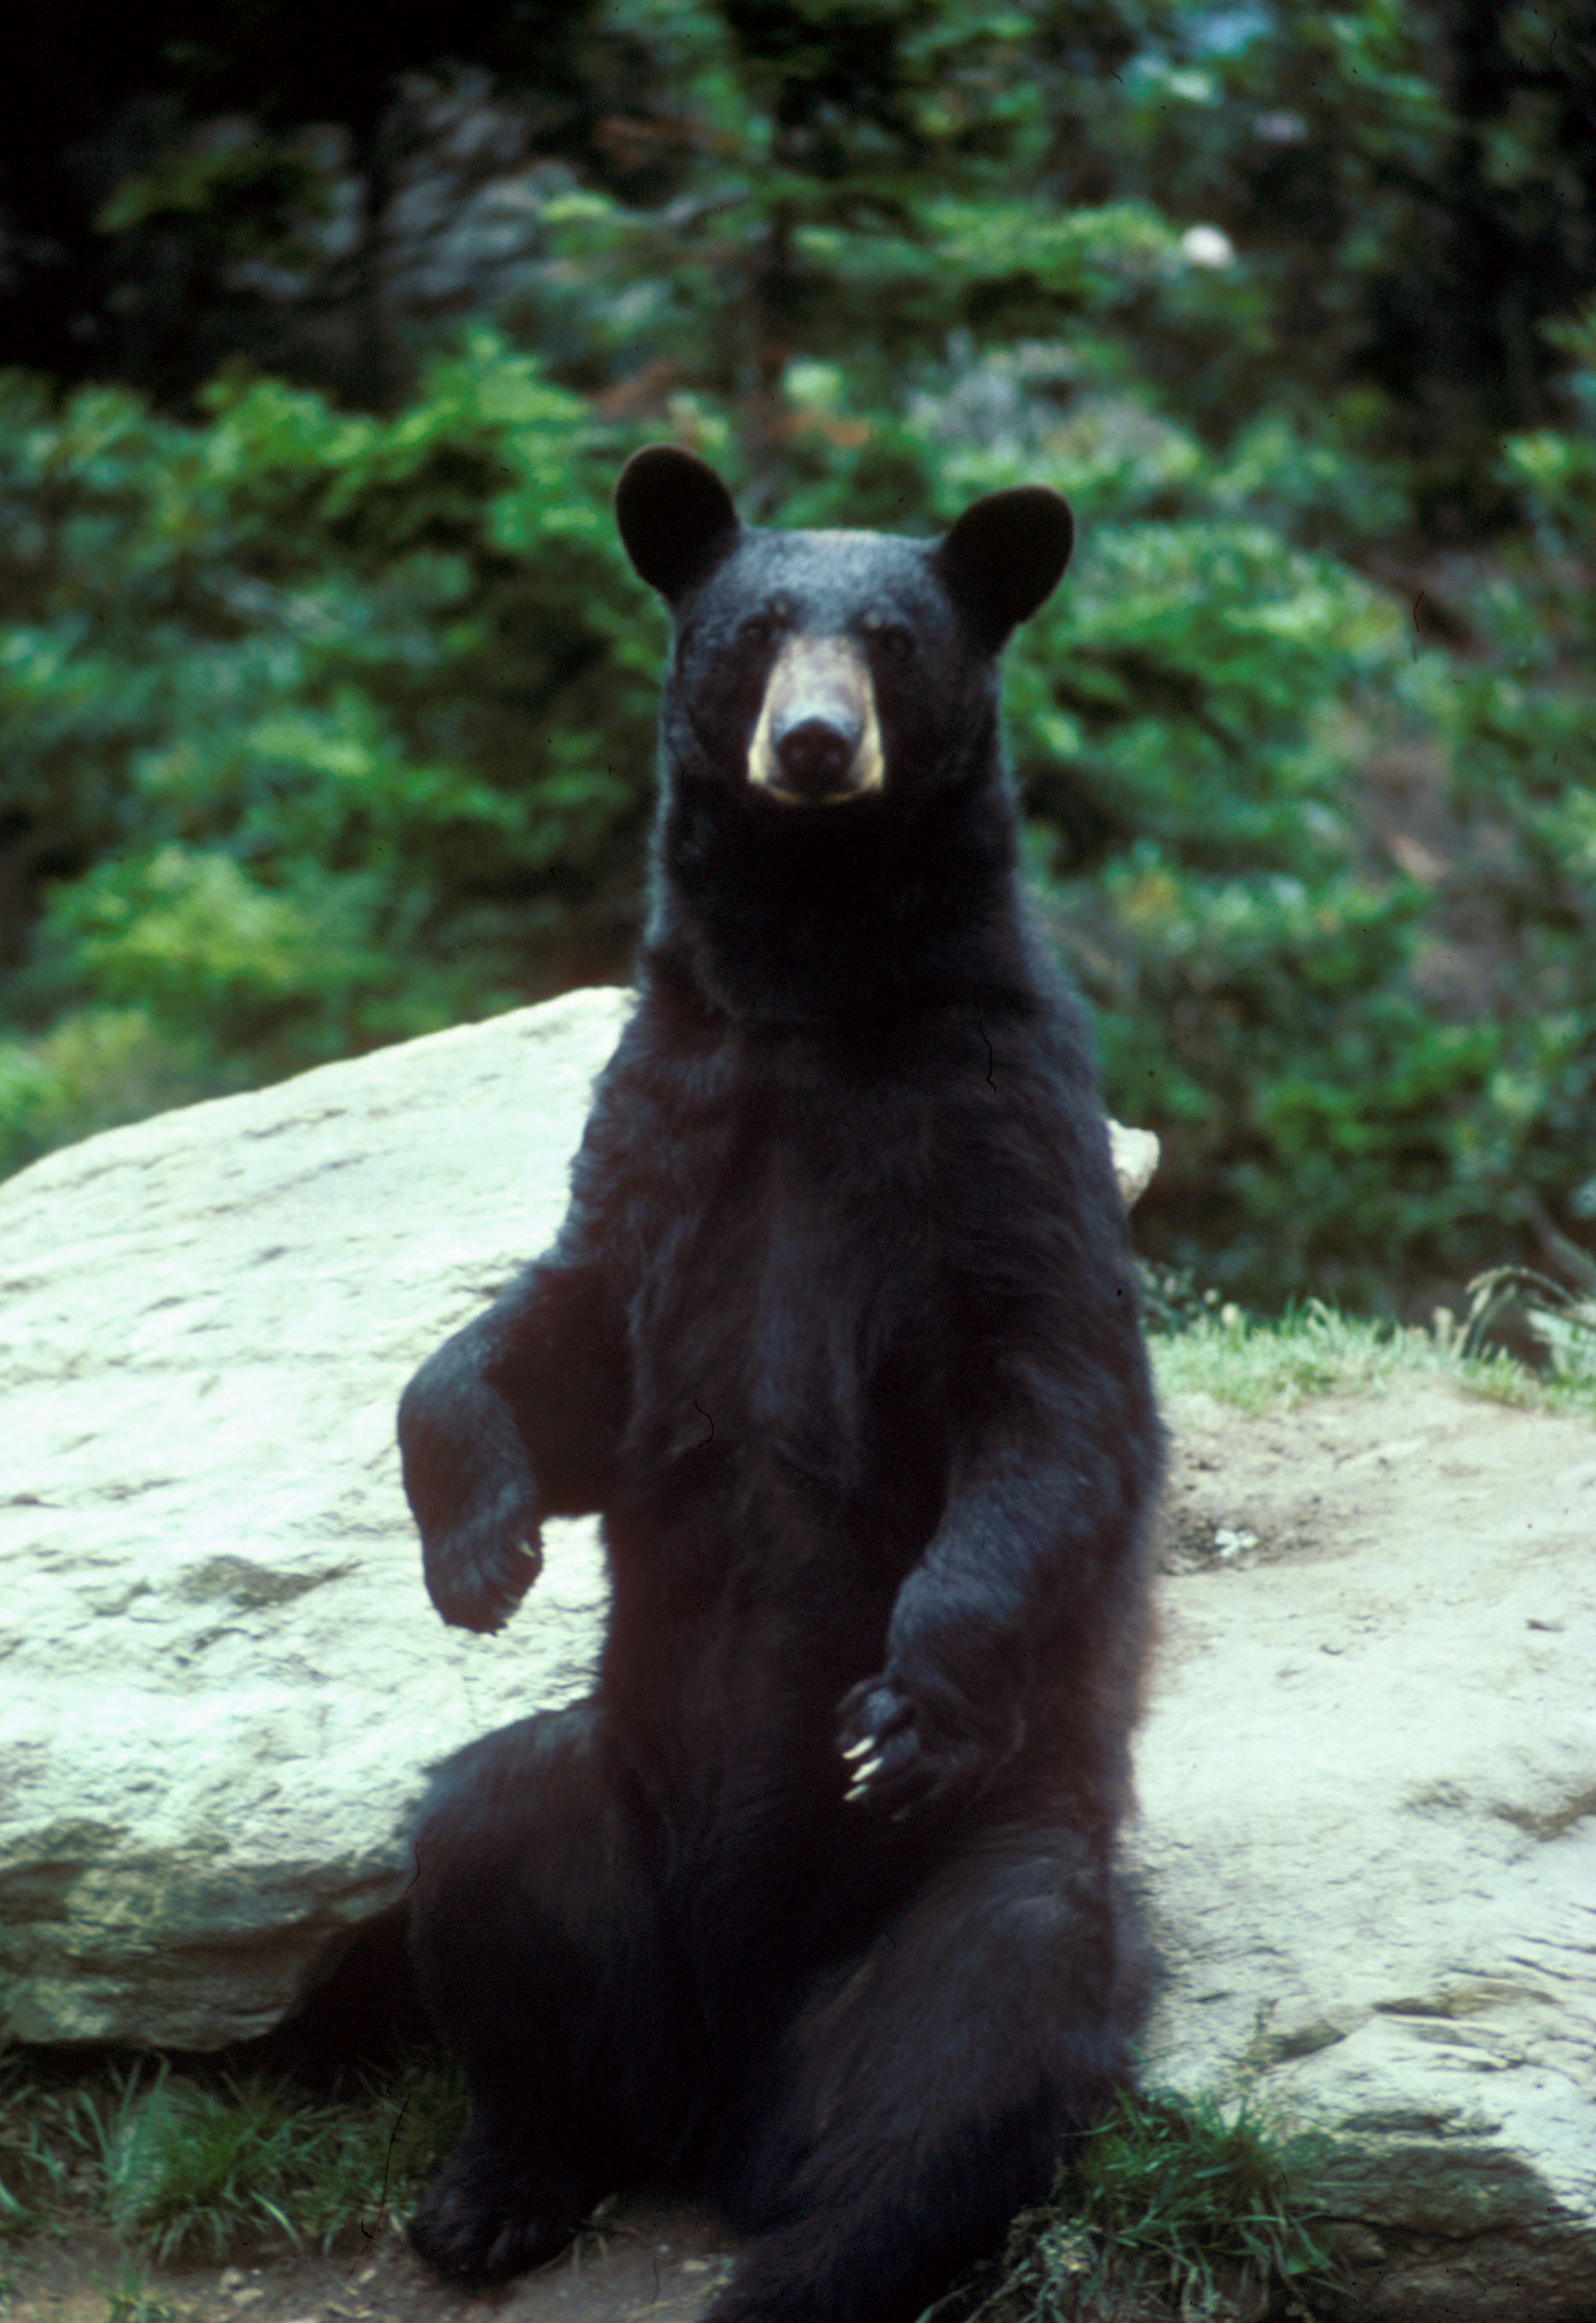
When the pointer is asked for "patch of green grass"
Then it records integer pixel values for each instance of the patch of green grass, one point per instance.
(183, 2165)
(1175, 2211)
(132, 2299)
(1313, 1350)
(48, 2149)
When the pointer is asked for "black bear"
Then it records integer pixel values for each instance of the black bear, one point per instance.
(812, 1904)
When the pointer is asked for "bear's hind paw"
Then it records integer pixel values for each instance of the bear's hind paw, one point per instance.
(483, 2220)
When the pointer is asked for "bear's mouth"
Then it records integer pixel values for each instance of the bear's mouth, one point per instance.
(818, 739)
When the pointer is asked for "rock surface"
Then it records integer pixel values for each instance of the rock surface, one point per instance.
(1368, 1782)
(220, 1676)
(1369, 1772)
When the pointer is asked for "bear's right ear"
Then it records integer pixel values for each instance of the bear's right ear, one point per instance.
(676, 517)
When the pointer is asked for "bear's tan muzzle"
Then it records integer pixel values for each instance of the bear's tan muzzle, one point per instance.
(818, 740)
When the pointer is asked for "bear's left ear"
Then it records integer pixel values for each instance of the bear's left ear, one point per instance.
(1005, 556)
(676, 517)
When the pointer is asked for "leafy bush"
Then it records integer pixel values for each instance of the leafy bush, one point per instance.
(333, 730)
(1366, 1079)
(1518, 720)
(316, 725)
(328, 729)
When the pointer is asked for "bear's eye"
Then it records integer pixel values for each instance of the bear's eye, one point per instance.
(895, 641)
(758, 629)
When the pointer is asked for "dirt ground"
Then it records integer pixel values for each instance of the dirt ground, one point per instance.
(1343, 1468)
(656, 2260)
(1381, 1468)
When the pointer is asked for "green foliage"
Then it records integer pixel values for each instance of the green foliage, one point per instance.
(198, 2169)
(319, 722)
(338, 728)
(1321, 1127)
(1335, 1119)
(1412, 184)
(1174, 2208)
(326, 729)
(95, 1068)
(1515, 721)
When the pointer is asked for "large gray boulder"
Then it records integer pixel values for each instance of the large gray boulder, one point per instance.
(222, 1679)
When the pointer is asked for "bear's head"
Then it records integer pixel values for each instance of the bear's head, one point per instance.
(817, 669)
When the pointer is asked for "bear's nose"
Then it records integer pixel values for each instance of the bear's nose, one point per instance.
(817, 749)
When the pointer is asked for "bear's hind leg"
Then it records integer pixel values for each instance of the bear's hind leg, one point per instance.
(926, 2095)
(536, 1938)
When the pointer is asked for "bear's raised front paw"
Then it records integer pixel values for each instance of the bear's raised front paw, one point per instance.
(479, 1574)
(483, 2218)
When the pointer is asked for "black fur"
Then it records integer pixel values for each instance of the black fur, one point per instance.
(840, 1335)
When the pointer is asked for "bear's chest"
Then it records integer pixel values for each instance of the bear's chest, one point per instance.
(799, 1266)
(808, 1235)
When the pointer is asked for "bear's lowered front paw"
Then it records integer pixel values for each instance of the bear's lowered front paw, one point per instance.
(898, 1759)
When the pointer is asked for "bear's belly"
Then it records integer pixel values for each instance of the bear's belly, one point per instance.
(747, 1599)
(784, 1466)
(722, 1678)
(731, 1565)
